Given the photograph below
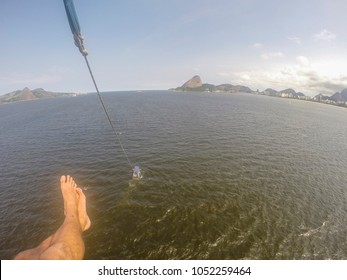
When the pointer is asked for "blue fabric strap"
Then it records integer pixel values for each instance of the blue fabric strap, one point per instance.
(74, 25)
(72, 17)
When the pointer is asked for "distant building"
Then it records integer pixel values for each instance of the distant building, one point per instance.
(285, 95)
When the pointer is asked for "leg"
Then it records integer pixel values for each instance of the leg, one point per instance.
(66, 242)
(34, 254)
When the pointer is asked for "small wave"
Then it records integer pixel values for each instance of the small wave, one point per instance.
(313, 231)
(165, 215)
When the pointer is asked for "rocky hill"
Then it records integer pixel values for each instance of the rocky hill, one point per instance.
(195, 84)
(339, 96)
(321, 97)
(289, 92)
(270, 92)
(27, 94)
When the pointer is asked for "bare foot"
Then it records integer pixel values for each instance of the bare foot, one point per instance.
(82, 210)
(68, 189)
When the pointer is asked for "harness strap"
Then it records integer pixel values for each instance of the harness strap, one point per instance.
(74, 26)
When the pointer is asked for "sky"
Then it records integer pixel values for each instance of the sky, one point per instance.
(160, 44)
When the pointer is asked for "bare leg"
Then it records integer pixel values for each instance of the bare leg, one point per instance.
(34, 254)
(67, 242)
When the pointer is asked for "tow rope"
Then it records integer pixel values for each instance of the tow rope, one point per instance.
(78, 38)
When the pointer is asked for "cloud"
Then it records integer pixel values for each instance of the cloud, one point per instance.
(325, 35)
(270, 55)
(295, 40)
(258, 45)
(303, 60)
(309, 78)
(302, 75)
(318, 83)
(245, 77)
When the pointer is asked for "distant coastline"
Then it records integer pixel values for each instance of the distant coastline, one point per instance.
(26, 95)
(196, 84)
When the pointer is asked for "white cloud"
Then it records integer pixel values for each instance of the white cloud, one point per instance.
(295, 40)
(258, 45)
(270, 55)
(304, 75)
(224, 74)
(324, 35)
(303, 60)
(245, 76)
(309, 78)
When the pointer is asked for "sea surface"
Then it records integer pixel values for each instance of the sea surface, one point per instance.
(225, 176)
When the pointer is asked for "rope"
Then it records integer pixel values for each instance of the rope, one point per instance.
(106, 112)
(78, 38)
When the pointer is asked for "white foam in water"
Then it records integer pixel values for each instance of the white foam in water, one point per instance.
(137, 172)
(313, 231)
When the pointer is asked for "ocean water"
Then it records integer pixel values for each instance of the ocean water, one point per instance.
(226, 176)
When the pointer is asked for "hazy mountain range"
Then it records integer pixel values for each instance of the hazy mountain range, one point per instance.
(196, 84)
(27, 94)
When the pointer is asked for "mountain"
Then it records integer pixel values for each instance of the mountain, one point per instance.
(27, 94)
(289, 92)
(232, 88)
(344, 94)
(336, 97)
(270, 92)
(195, 84)
(339, 96)
(320, 97)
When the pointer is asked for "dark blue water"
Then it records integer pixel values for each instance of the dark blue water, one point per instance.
(226, 176)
